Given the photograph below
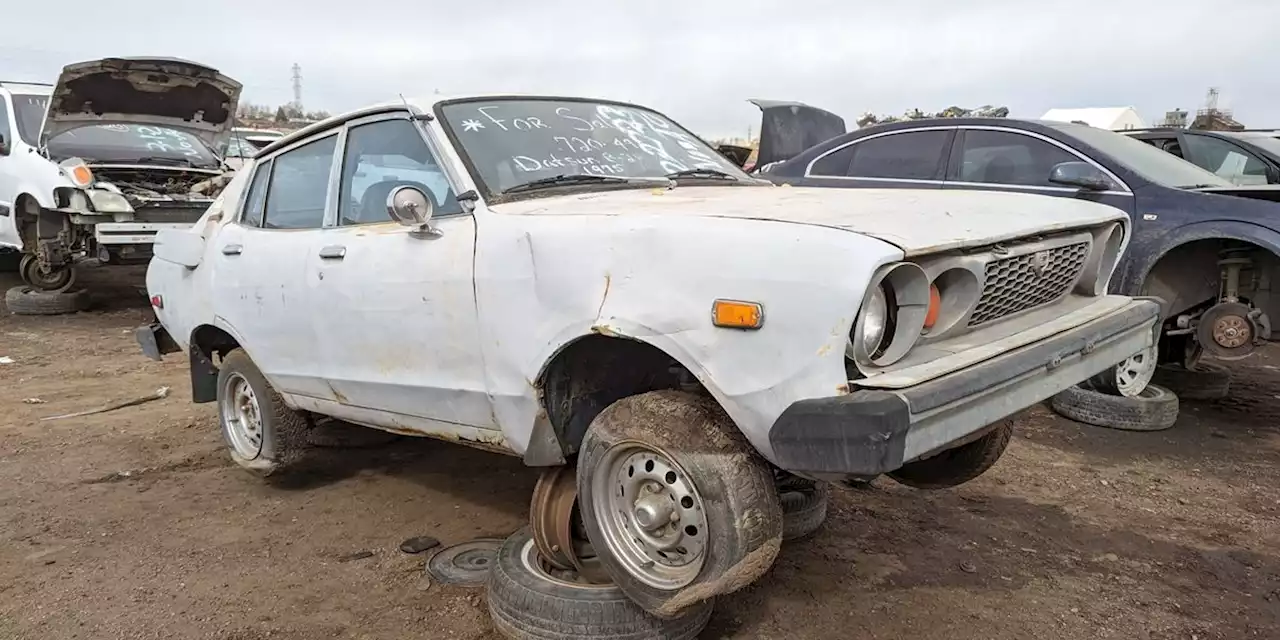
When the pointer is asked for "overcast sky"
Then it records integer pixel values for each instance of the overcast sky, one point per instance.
(698, 60)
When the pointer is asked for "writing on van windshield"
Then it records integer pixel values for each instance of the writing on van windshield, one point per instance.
(512, 138)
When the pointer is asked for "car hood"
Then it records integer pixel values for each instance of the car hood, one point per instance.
(167, 92)
(916, 221)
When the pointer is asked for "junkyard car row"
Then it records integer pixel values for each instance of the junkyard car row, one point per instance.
(683, 346)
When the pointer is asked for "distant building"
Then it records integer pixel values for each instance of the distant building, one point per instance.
(1113, 118)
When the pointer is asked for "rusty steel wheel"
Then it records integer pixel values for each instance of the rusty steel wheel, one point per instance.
(556, 525)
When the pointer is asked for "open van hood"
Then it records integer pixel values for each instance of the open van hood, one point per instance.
(166, 92)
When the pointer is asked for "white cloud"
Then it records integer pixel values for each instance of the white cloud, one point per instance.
(697, 61)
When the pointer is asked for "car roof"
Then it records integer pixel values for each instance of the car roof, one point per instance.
(422, 105)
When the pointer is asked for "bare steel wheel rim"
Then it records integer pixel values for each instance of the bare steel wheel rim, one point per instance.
(1135, 372)
(650, 514)
(242, 416)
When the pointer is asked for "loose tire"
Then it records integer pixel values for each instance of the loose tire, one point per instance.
(57, 281)
(958, 465)
(1204, 381)
(29, 301)
(530, 601)
(262, 434)
(677, 505)
(1156, 408)
(1128, 377)
(804, 507)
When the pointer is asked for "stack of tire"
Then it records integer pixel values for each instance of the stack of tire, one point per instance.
(55, 296)
(530, 600)
(1141, 395)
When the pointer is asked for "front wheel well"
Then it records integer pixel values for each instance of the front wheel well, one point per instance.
(594, 372)
(208, 345)
(1189, 274)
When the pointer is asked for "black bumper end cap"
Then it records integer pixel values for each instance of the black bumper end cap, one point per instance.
(155, 341)
(861, 434)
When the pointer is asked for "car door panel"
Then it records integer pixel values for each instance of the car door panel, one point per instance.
(397, 323)
(1008, 160)
(262, 286)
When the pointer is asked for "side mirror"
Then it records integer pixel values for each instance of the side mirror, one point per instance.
(1079, 174)
(4, 146)
(412, 208)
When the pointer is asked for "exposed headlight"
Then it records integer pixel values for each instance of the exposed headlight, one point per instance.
(875, 318)
(109, 202)
(892, 315)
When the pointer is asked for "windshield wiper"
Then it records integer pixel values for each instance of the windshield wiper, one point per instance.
(1200, 186)
(564, 179)
(713, 174)
(176, 162)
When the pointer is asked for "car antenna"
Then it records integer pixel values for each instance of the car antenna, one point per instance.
(414, 113)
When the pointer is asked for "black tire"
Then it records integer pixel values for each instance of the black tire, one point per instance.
(958, 465)
(804, 507)
(743, 516)
(284, 431)
(29, 301)
(529, 602)
(1205, 381)
(60, 280)
(1154, 410)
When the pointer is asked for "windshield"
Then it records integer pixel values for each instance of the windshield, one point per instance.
(29, 113)
(513, 141)
(1160, 167)
(132, 144)
(1268, 143)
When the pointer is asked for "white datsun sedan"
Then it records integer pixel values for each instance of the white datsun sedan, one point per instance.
(587, 285)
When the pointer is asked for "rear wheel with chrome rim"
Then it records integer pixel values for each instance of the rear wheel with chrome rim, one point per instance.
(262, 434)
(677, 505)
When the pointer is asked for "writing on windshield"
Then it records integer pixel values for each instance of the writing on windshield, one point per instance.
(512, 141)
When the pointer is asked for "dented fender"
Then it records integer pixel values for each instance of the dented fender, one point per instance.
(545, 281)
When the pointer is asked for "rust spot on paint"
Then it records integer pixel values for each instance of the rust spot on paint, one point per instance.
(842, 389)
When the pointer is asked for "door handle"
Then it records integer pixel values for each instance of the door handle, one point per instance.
(231, 249)
(333, 252)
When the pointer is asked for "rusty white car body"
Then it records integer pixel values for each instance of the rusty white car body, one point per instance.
(808, 314)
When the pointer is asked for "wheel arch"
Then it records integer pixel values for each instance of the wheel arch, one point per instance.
(1184, 252)
(589, 371)
(208, 343)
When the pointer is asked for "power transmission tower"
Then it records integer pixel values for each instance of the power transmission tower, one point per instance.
(297, 86)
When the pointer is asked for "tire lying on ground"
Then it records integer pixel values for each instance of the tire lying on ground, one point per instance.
(677, 505)
(804, 506)
(958, 465)
(530, 601)
(29, 301)
(1156, 408)
(1204, 381)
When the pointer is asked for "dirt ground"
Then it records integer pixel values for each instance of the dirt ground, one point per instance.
(134, 524)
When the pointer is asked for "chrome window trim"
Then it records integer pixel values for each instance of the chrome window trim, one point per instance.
(808, 170)
(1125, 190)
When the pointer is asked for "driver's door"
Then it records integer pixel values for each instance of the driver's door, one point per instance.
(396, 313)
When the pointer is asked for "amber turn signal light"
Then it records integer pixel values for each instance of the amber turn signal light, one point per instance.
(736, 314)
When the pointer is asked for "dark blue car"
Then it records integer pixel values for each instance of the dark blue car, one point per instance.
(1207, 247)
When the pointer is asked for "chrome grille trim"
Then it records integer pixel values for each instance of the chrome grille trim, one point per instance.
(1019, 283)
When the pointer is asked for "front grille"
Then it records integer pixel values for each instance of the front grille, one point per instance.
(1028, 281)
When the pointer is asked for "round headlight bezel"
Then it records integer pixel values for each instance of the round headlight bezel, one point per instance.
(905, 287)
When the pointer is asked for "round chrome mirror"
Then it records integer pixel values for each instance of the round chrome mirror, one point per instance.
(409, 206)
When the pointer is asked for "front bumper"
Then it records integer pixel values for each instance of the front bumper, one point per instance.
(870, 432)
